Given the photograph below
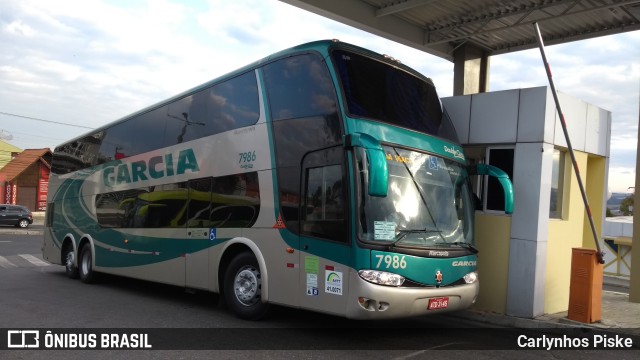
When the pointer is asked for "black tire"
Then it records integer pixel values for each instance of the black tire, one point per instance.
(85, 265)
(243, 287)
(69, 258)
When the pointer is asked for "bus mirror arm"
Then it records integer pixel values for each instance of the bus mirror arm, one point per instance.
(377, 162)
(501, 176)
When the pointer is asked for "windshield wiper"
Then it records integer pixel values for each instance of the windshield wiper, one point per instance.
(466, 245)
(404, 232)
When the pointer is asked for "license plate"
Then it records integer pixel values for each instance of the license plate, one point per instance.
(438, 303)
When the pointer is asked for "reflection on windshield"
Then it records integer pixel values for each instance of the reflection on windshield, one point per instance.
(428, 202)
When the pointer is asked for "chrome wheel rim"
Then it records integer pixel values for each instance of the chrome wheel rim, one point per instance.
(69, 261)
(247, 285)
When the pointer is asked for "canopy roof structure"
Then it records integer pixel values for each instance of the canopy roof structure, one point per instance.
(439, 27)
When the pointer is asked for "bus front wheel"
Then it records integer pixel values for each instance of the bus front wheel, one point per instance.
(243, 287)
(85, 265)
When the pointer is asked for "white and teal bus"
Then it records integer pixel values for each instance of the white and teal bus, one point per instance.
(324, 177)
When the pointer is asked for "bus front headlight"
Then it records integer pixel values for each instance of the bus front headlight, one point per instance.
(381, 277)
(471, 277)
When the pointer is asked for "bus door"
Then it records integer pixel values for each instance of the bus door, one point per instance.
(324, 246)
(198, 233)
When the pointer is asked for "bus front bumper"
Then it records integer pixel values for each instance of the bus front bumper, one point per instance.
(372, 301)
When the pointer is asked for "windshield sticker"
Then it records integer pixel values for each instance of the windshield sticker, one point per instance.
(384, 230)
(311, 264)
(312, 284)
(433, 163)
(399, 159)
(333, 282)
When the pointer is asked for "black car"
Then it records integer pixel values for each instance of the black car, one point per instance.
(15, 215)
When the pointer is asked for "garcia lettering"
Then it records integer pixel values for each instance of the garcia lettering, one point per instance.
(463, 263)
(155, 168)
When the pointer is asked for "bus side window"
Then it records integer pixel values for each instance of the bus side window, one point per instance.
(225, 106)
(300, 86)
(324, 198)
(304, 118)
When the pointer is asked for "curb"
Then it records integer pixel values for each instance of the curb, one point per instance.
(616, 281)
(21, 232)
(501, 320)
(548, 322)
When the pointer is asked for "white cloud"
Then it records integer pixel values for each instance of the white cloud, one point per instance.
(19, 28)
(621, 178)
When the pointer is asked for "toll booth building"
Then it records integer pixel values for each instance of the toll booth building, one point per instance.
(525, 258)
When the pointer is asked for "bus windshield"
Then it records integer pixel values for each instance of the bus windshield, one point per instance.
(429, 202)
(379, 91)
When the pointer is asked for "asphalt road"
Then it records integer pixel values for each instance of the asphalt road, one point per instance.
(37, 295)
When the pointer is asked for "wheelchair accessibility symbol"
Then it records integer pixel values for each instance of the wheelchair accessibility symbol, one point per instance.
(433, 163)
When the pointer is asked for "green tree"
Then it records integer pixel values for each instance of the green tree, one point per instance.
(626, 206)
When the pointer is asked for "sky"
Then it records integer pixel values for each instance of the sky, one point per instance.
(68, 66)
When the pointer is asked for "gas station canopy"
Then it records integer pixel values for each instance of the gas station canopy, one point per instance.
(440, 27)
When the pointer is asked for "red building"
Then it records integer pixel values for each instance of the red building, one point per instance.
(25, 179)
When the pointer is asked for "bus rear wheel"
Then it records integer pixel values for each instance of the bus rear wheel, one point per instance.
(85, 265)
(243, 287)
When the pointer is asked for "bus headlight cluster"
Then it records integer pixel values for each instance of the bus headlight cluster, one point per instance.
(381, 277)
(471, 277)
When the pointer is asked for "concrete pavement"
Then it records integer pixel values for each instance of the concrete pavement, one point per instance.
(618, 315)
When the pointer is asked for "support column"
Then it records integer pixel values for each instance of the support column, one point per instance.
(634, 286)
(529, 230)
(470, 70)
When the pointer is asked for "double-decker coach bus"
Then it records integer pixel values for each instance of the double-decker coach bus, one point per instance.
(324, 177)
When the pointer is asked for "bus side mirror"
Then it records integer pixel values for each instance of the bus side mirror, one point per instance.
(377, 161)
(378, 172)
(501, 176)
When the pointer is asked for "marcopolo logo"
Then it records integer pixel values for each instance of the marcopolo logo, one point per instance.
(441, 253)
(455, 152)
(155, 168)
